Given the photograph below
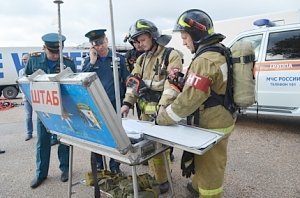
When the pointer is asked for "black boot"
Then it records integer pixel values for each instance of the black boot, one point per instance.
(36, 182)
(64, 176)
(164, 187)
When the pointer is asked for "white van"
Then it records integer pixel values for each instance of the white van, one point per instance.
(277, 68)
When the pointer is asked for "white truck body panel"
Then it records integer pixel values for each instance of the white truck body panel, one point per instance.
(11, 63)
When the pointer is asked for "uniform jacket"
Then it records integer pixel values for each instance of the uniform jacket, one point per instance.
(38, 61)
(104, 69)
(145, 66)
(211, 65)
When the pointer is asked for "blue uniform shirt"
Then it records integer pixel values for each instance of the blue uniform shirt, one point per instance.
(104, 69)
(39, 61)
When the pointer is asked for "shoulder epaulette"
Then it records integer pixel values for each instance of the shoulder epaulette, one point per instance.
(35, 54)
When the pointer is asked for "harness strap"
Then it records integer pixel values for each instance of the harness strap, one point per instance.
(194, 116)
(227, 99)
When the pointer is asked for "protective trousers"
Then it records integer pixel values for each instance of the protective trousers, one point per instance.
(209, 171)
(43, 150)
(156, 164)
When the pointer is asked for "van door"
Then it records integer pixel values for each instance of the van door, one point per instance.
(278, 77)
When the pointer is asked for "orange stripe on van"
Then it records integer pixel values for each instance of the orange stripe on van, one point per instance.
(277, 65)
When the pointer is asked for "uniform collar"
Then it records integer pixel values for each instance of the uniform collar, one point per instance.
(109, 54)
(43, 58)
(158, 50)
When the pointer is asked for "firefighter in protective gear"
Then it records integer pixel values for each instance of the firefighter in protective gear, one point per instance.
(158, 91)
(131, 57)
(207, 73)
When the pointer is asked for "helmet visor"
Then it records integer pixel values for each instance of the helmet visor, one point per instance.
(178, 28)
(181, 25)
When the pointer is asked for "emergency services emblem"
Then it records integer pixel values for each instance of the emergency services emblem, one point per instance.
(88, 116)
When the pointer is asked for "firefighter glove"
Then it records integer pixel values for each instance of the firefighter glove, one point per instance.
(187, 164)
(176, 80)
(135, 83)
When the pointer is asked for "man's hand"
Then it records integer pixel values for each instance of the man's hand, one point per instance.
(161, 109)
(124, 110)
(163, 118)
(187, 164)
(93, 55)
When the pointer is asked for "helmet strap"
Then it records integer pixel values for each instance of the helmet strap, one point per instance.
(154, 46)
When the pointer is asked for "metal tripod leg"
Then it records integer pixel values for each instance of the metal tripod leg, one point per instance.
(70, 171)
(135, 182)
(168, 171)
(104, 163)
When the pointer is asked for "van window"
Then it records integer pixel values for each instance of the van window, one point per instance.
(284, 45)
(256, 42)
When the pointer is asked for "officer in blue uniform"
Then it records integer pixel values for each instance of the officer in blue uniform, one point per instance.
(49, 62)
(100, 61)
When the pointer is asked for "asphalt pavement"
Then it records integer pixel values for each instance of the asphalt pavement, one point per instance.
(263, 161)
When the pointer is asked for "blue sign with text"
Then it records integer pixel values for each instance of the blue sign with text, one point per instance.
(80, 118)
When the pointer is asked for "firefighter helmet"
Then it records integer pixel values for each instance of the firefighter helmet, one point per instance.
(128, 36)
(197, 23)
(142, 26)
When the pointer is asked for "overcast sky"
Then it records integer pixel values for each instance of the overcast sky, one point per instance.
(23, 22)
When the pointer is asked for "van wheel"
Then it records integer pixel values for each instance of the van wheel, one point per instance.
(10, 92)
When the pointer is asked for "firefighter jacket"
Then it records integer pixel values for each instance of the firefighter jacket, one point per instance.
(149, 66)
(207, 72)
